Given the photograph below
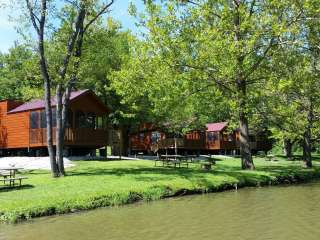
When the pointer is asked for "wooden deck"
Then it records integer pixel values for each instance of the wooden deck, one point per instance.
(79, 136)
(182, 143)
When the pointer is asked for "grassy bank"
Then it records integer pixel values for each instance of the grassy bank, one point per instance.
(92, 184)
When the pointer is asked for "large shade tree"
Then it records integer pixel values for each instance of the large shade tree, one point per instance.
(293, 93)
(220, 45)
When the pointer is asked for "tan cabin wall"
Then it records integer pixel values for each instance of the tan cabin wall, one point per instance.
(14, 127)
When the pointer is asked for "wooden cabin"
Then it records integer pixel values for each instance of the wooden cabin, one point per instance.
(220, 140)
(144, 137)
(23, 125)
(151, 139)
(216, 138)
(189, 143)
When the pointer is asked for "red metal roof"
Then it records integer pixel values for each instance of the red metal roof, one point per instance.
(216, 127)
(39, 103)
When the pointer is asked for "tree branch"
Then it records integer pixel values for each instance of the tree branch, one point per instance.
(102, 11)
(71, 41)
(253, 3)
(33, 17)
(259, 61)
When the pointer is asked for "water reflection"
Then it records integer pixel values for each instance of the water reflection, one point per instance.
(285, 213)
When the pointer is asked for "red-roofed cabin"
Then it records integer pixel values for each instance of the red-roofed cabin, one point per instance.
(217, 138)
(23, 125)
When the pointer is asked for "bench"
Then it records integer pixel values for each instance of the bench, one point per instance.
(174, 162)
(13, 180)
(184, 162)
(271, 158)
(159, 160)
(5, 175)
(206, 165)
(168, 159)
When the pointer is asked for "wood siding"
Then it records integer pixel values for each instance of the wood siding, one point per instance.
(15, 129)
(197, 140)
(142, 141)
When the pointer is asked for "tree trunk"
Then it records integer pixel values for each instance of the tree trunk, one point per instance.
(241, 86)
(59, 131)
(120, 143)
(48, 110)
(307, 145)
(245, 151)
(287, 148)
(175, 146)
(307, 157)
(63, 99)
(126, 140)
(47, 88)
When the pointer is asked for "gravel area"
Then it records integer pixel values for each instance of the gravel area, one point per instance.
(30, 162)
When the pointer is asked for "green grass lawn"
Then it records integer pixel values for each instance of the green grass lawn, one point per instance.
(92, 184)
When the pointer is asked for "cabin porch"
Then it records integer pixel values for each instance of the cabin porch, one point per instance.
(73, 136)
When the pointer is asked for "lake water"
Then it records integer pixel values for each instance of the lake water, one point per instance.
(286, 213)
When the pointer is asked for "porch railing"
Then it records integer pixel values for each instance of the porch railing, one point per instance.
(82, 136)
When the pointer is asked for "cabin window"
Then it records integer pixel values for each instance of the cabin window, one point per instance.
(155, 137)
(43, 120)
(91, 120)
(100, 122)
(213, 136)
(104, 122)
(34, 119)
(54, 117)
(70, 119)
(141, 137)
(80, 119)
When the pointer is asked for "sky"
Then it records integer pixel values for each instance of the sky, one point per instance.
(8, 34)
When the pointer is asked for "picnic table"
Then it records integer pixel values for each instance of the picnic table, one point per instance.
(8, 174)
(207, 163)
(271, 158)
(174, 159)
(191, 158)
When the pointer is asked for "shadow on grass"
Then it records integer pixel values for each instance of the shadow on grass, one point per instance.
(193, 173)
(15, 188)
(298, 157)
(170, 173)
(134, 171)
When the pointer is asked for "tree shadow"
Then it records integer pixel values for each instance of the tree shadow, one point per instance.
(193, 173)
(15, 188)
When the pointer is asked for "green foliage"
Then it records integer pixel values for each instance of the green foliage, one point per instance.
(19, 77)
(105, 50)
(293, 90)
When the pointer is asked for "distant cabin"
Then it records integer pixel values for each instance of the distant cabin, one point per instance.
(142, 138)
(23, 125)
(213, 138)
